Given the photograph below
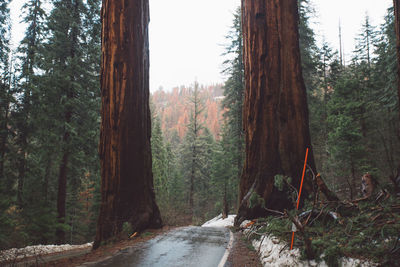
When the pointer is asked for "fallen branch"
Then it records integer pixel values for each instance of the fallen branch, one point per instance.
(307, 241)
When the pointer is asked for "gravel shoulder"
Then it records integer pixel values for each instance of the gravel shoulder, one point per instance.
(242, 253)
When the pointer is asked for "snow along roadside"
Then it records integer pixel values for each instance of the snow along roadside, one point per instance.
(274, 252)
(219, 222)
(32, 251)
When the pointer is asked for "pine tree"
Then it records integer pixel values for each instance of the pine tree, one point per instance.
(6, 180)
(234, 93)
(328, 71)
(28, 51)
(159, 159)
(385, 98)
(365, 42)
(85, 167)
(311, 59)
(174, 178)
(345, 139)
(191, 140)
(224, 180)
(65, 75)
(5, 81)
(385, 65)
(308, 47)
(202, 185)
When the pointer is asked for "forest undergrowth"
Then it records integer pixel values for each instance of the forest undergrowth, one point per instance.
(367, 228)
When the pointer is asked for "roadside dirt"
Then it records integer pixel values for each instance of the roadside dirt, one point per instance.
(243, 254)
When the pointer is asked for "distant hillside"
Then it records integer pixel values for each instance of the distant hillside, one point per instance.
(174, 107)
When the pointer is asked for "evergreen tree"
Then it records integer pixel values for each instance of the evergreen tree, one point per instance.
(71, 64)
(345, 139)
(383, 100)
(28, 81)
(7, 219)
(365, 42)
(234, 93)
(159, 159)
(204, 162)
(52, 113)
(308, 47)
(174, 177)
(385, 64)
(311, 60)
(5, 82)
(224, 180)
(191, 148)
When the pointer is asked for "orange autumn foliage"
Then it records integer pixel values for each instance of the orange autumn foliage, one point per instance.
(173, 108)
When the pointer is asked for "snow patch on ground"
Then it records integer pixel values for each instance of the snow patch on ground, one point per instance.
(273, 252)
(219, 222)
(32, 251)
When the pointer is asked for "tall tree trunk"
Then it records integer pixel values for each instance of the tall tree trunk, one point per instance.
(62, 190)
(21, 167)
(4, 135)
(353, 180)
(46, 179)
(125, 152)
(63, 174)
(225, 208)
(191, 186)
(275, 113)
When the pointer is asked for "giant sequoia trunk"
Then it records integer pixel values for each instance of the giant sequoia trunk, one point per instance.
(275, 114)
(125, 152)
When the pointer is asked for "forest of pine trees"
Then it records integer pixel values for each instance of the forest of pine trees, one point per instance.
(50, 102)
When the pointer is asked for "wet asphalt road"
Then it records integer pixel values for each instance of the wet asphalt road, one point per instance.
(188, 246)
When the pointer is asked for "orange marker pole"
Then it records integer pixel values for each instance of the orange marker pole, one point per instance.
(291, 244)
(302, 179)
(301, 187)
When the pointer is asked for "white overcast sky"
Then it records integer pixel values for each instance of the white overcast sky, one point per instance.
(187, 36)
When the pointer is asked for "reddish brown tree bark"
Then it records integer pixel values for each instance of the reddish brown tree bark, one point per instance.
(125, 153)
(275, 113)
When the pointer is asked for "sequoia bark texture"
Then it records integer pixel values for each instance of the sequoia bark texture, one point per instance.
(125, 153)
(275, 114)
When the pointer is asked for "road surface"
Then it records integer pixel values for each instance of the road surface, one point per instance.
(189, 247)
